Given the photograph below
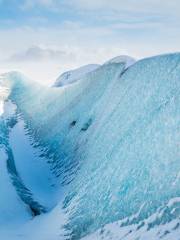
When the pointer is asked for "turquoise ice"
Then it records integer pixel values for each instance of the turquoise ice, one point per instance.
(111, 141)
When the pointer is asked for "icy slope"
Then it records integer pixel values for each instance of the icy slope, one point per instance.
(10, 204)
(23, 167)
(74, 75)
(132, 155)
(111, 143)
(32, 167)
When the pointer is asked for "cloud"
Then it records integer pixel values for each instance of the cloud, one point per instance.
(130, 13)
(28, 4)
(84, 31)
(114, 6)
(36, 53)
(133, 5)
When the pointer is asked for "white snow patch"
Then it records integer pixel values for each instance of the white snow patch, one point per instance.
(114, 231)
(47, 226)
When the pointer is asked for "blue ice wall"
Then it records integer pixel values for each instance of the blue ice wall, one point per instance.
(56, 117)
(132, 158)
(113, 138)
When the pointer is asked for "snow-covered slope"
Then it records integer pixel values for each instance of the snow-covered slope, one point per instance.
(74, 75)
(79, 73)
(109, 144)
(127, 60)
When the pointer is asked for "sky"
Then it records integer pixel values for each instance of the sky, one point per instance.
(43, 38)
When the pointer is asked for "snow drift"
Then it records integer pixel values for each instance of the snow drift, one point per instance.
(105, 150)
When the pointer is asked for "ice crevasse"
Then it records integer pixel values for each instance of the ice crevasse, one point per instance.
(106, 146)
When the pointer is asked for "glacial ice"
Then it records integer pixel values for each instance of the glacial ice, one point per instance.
(110, 144)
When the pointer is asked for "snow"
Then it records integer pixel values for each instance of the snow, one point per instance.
(74, 75)
(111, 142)
(114, 231)
(30, 167)
(12, 209)
(127, 60)
(48, 226)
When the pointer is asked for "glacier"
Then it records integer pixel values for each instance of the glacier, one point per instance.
(95, 159)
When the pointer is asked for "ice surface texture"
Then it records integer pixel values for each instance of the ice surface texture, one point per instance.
(111, 139)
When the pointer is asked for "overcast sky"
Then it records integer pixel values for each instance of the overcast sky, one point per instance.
(43, 38)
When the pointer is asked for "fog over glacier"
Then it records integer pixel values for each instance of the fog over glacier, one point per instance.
(94, 156)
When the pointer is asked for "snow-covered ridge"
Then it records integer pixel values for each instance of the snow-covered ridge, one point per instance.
(124, 59)
(74, 75)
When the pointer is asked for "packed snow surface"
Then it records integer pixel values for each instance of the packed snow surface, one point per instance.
(98, 159)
